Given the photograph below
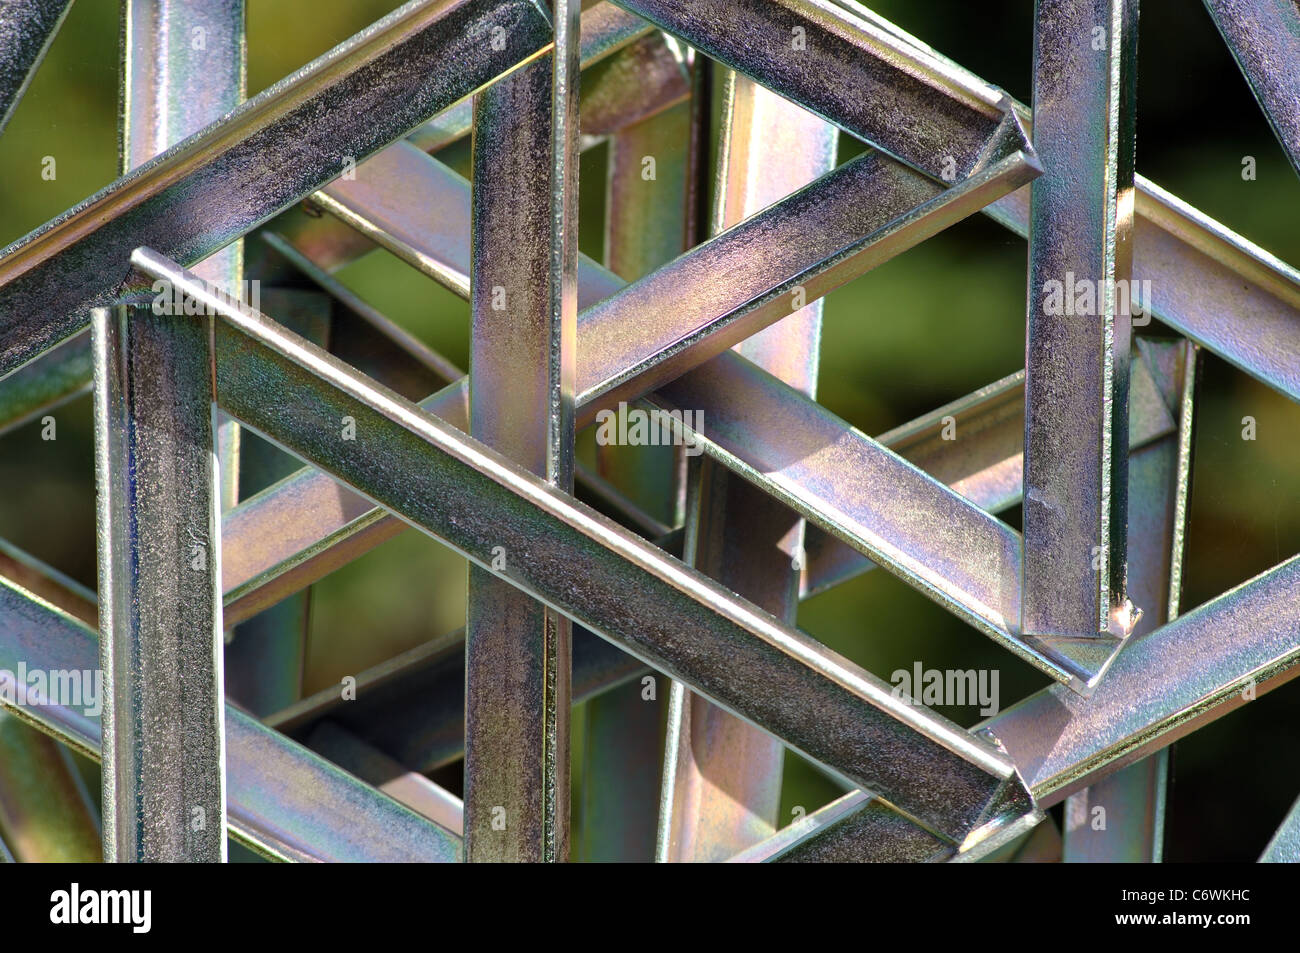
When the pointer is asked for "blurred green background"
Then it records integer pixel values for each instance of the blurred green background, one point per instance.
(922, 330)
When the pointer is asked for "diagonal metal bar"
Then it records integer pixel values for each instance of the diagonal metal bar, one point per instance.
(847, 222)
(253, 163)
(854, 828)
(1160, 468)
(1162, 687)
(828, 471)
(296, 532)
(1207, 283)
(158, 525)
(1264, 37)
(842, 67)
(651, 75)
(60, 375)
(27, 28)
(374, 767)
(1077, 344)
(857, 828)
(48, 583)
(627, 590)
(731, 395)
(424, 726)
(1284, 847)
(284, 802)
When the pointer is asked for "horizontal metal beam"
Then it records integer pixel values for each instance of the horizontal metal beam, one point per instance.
(282, 800)
(275, 149)
(598, 574)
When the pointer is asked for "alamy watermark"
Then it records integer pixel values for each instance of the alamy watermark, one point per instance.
(173, 300)
(1087, 297)
(640, 428)
(75, 905)
(956, 687)
(59, 688)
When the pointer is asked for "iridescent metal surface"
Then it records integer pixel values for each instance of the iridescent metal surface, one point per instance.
(669, 607)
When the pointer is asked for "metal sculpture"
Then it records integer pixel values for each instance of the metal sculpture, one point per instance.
(708, 325)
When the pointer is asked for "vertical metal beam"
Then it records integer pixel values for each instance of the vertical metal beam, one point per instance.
(722, 780)
(524, 307)
(648, 214)
(1079, 327)
(1130, 826)
(164, 793)
(164, 789)
(183, 68)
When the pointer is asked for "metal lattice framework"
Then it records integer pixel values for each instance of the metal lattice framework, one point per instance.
(700, 576)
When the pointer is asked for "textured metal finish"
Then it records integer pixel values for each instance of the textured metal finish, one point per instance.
(932, 113)
(606, 30)
(595, 573)
(1207, 283)
(431, 699)
(787, 501)
(27, 28)
(284, 802)
(159, 582)
(1161, 687)
(518, 653)
(1264, 37)
(1077, 346)
(722, 795)
(847, 222)
(394, 74)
